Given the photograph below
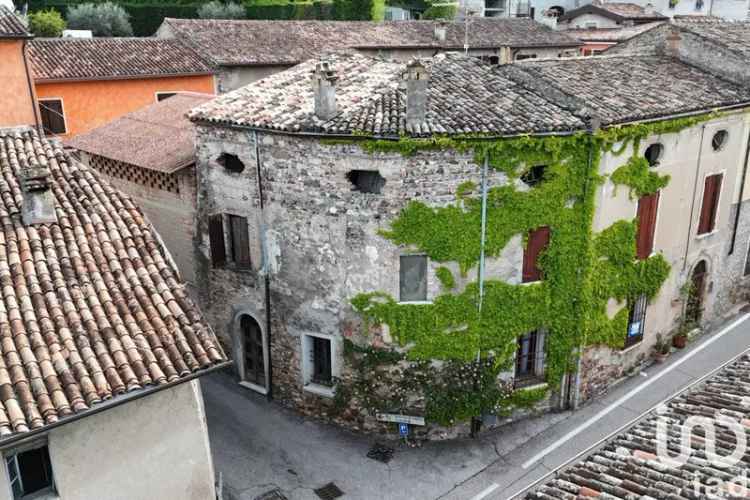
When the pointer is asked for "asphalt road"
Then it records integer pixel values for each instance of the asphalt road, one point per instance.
(259, 447)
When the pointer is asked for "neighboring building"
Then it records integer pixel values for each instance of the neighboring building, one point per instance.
(599, 15)
(101, 344)
(597, 40)
(246, 51)
(84, 83)
(631, 464)
(149, 154)
(347, 233)
(14, 68)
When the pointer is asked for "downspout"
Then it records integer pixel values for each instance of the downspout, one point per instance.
(32, 93)
(692, 204)
(476, 422)
(739, 202)
(266, 267)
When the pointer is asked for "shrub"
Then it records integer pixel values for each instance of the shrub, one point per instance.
(47, 23)
(217, 10)
(440, 12)
(103, 19)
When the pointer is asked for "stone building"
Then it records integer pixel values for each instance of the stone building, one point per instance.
(149, 154)
(608, 15)
(386, 224)
(101, 345)
(245, 51)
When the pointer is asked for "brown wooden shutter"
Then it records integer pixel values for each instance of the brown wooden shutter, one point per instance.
(711, 190)
(538, 241)
(216, 239)
(647, 208)
(240, 241)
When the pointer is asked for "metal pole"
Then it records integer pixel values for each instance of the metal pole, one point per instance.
(484, 230)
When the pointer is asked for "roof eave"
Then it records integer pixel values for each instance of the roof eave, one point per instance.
(130, 77)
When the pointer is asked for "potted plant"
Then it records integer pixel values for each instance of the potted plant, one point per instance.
(661, 349)
(680, 338)
(690, 317)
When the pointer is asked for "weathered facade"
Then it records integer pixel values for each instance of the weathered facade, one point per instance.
(350, 274)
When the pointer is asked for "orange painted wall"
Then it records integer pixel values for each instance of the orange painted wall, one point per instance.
(16, 101)
(87, 105)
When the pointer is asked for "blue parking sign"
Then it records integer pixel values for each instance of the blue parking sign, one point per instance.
(403, 429)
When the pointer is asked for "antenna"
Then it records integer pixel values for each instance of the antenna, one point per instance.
(467, 14)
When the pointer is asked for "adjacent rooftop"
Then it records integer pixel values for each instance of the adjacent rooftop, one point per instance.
(734, 35)
(245, 43)
(156, 137)
(91, 309)
(617, 11)
(618, 34)
(11, 26)
(465, 95)
(55, 59)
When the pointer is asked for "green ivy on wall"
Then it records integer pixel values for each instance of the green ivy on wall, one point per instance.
(582, 271)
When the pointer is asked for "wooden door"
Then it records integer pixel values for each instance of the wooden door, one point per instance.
(255, 367)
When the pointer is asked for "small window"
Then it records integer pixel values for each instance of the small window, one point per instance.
(534, 175)
(719, 140)
(653, 154)
(321, 362)
(231, 162)
(30, 472)
(229, 239)
(710, 206)
(521, 57)
(160, 96)
(530, 359)
(53, 116)
(537, 242)
(636, 320)
(366, 181)
(413, 278)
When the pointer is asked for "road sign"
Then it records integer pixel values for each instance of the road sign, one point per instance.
(405, 419)
(403, 429)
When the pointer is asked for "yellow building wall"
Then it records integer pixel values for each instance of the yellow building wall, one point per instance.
(16, 101)
(89, 104)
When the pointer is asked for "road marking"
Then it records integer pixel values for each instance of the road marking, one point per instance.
(573, 433)
(486, 491)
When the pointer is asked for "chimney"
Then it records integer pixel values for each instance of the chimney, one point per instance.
(38, 200)
(324, 87)
(673, 42)
(649, 9)
(441, 30)
(417, 78)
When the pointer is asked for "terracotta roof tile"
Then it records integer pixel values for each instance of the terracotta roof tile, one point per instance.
(619, 11)
(619, 34)
(112, 58)
(156, 137)
(11, 26)
(90, 308)
(232, 42)
(734, 35)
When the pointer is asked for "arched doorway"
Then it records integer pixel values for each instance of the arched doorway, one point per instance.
(696, 293)
(254, 365)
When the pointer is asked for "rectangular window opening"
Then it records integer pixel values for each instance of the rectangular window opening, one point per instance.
(413, 278)
(636, 320)
(160, 96)
(530, 359)
(30, 472)
(53, 118)
(538, 241)
(230, 240)
(710, 205)
(321, 362)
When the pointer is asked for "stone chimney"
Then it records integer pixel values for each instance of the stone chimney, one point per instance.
(38, 200)
(324, 87)
(417, 79)
(673, 42)
(441, 31)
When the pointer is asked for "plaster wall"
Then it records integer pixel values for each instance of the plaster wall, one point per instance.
(583, 21)
(16, 97)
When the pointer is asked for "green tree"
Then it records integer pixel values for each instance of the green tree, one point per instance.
(440, 11)
(353, 10)
(103, 19)
(218, 10)
(46, 23)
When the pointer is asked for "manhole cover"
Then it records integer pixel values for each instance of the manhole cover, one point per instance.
(272, 495)
(329, 492)
(381, 453)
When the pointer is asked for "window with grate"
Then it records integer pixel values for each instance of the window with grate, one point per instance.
(636, 320)
(413, 278)
(530, 359)
(30, 472)
(710, 205)
(321, 362)
(53, 116)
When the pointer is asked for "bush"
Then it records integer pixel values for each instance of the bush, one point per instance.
(353, 10)
(47, 23)
(217, 10)
(103, 19)
(440, 12)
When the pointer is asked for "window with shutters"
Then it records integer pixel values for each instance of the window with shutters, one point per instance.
(318, 364)
(530, 359)
(636, 320)
(52, 115)
(537, 242)
(413, 278)
(647, 209)
(710, 205)
(229, 240)
(30, 473)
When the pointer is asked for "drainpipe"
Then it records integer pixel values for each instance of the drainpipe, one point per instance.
(739, 202)
(266, 268)
(692, 205)
(32, 93)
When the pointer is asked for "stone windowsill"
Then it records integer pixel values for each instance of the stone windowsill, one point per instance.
(320, 390)
(532, 387)
(253, 387)
(416, 302)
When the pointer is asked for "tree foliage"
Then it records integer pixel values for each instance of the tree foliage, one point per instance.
(103, 19)
(220, 10)
(46, 23)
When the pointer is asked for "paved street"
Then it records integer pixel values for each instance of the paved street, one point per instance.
(259, 446)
